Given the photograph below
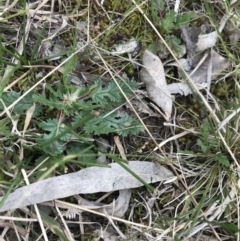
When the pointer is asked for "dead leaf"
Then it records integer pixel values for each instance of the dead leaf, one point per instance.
(116, 208)
(207, 64)
(107, 235)
(206, 41)
(219, 64)
(183, 63)
(28, 118)
(153, 75)
(182, 88)
(88, 180)
(125, 47)
(190, 37)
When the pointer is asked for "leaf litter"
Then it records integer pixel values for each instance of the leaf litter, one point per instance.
(153, 75)
(88, 180)
(207, 64)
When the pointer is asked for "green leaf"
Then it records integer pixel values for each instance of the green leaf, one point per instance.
(156, 6)
(58, 93)
(155, 47)
(184, 19)
(49, 103)
(37, 43)
(4, 128)
(160, 4)
(222, 159)
(98, 126)
(229, 227)
(175, 44)
(54, 147)
(124, 125)
(168, 23)
(85, 154)
(8, 98)
(205, 148)
(53, 126)
(7, 78)
(69, 66)
(111, 93)
(78, 122)
(121, 125)
(49, 125)
(23, 105)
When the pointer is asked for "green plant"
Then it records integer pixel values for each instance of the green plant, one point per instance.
(211, 146)
(167, 22)
(86, 110)
(77, 104)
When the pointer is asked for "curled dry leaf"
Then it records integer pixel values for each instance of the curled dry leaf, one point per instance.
(153, 75)
(116, 208)
(218, 63)
(183, 63)
(182, 88)
(206, 41)
(125, 48)
(88, 180)
(207, 64)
